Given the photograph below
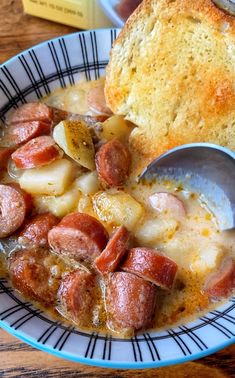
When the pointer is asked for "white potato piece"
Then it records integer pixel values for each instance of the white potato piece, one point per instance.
(52, 179)
(88, 183)
(75, 139)
(194, 254)
(182, 249)
(85, 206)
(118, 208)
(154, 230)
(208, 257)
(115, 127)
(60, 205)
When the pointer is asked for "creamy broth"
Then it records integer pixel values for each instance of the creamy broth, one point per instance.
(194, 241)
(196, 255)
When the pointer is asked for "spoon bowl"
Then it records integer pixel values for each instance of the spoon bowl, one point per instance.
(205, 168)
(226, 5)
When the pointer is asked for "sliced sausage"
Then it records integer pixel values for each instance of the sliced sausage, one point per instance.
(13, 208)
(167, 202)
(78, 236)
(37, 152)
(113, 163)
(34, 111)
(27, 197)
(5, 154)
(126, 7)
(116, 248)
(96, 100)
(30, 276)
(59, 115)
(35, 232)
(220, 284)
(130, 302)
(76, 296)
(22, 132)
(152, 266)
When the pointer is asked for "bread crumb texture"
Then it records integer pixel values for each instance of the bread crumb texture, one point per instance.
(172, 73)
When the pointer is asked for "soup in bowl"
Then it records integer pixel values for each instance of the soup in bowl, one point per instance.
(88, 244)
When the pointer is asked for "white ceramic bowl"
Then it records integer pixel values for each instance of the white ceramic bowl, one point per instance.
(27, 77)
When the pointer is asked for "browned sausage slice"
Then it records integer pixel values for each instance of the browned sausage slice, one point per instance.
(76, 296)
(130, 302)
(13, 208)
(30, 276)
(96, 100)
(37, 152)
(116, 248)
(152, 266)
(23, 132)
(167, 203)
(78, 236)
(220, 284)
(38, 111)
(113, 163)
(33, 111)
(27, 197)
(59, 115)
(36, 230)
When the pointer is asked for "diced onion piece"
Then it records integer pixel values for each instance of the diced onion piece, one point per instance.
(119, 208)
(75, 139)
(52, 179)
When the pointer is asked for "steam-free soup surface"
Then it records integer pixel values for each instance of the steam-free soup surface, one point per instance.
(184, 231)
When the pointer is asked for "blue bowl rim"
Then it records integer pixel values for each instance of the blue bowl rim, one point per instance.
(108, 364)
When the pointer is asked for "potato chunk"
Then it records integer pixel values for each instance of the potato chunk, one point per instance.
(154, 230)
(85, 205)
(118, 208)
(193, 254)
(115, 127)
(182, 249)
(75, 139)
(60, 205)
(209, 257)
(88, 183)
(52, 179)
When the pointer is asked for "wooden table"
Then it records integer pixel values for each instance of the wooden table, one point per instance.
(18, 32)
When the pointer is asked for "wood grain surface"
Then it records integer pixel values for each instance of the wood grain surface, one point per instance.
(18, 32)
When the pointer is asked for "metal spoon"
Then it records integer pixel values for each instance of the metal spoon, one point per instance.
(227, 5)
(205, 168)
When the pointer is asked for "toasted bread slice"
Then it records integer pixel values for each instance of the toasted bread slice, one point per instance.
(172, 73)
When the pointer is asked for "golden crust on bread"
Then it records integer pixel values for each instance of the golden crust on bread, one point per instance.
(172, 73)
